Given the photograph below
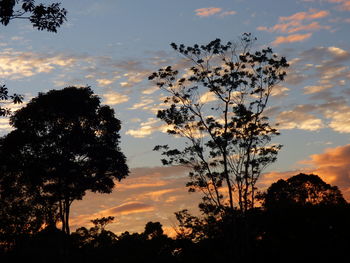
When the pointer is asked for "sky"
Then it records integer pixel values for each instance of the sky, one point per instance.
(114, 45)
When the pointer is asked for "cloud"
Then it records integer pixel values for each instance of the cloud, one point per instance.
(114, 98)
(147, 194)
(104, 82)
(208, 97)
(145, 103)
(340, 119)
(332, 112)
(101, 71)
(147, 128)
(16, 64)
(293, 27)
(159, 195)
(342, 5)
(150, 91)
(315, 89)
(297, 119)
(4, 125)
(208, 11)
(134, 77)
(116, 211)
(291, 38)
(314, 26)
(327, 72)
(279, 91)
(327, 65)
(333, 54)
(292, 24)
(333, 166)
(310, 15)
(228, 13)
(127, 208)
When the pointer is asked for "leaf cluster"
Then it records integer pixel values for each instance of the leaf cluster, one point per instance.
(43, 17)
(5, 96)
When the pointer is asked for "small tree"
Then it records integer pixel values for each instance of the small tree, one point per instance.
(301, 190)
(153, 230)
(63, 144)
(218, 106)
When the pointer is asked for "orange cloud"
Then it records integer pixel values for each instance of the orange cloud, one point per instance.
(158, 195)
(291, 38)
(295, 23)
(344, 5)
(113, 98)
(128, 208)
(315, 88)
(208, 11)
(128, 185)
(334, 167)
(147, 194)
(293, 26)
(314, 26)
(228, 13)
(311, 15)
(124, 209)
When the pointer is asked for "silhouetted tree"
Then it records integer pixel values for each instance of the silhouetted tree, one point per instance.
(153, 230)
(150, 246)
(63, 144)
(97, 241)
(304, 217)
(20, 213)
(213, 238)
(301, 190)
(43, 17)
(218, 105)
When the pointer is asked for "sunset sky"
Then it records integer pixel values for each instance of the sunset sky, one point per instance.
(114, 45)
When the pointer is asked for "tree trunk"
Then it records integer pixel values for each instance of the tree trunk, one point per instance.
(61, 214)
(67, 205)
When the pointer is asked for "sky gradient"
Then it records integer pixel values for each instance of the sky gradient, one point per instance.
(114, 45)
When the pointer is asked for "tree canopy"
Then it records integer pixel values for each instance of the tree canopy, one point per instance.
(63, 144)
(302, 190)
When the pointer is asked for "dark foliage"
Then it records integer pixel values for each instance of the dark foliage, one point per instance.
(43, 17)
(63, 144)
(5, 96)
(316, 232)
(301, 190)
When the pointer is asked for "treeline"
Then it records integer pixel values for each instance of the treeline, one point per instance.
(301, 218)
